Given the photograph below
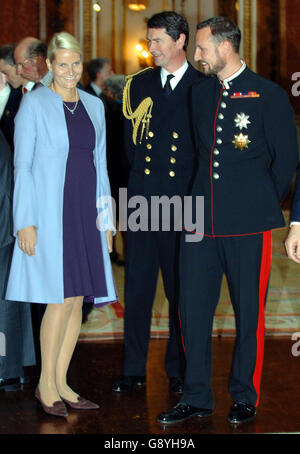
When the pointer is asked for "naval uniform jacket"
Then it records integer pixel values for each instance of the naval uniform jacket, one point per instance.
(164, 162)
(243, 186)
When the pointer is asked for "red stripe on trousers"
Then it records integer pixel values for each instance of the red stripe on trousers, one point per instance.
(265, 269)
(181, 331)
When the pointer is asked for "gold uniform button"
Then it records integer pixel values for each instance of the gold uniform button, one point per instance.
(172, 160)
(173, 148)
(151, 134)
(147, 159)
(172, 174)
(149, 146)
(175, 135)
(147, 171)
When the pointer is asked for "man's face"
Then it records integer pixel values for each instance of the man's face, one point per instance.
(207, 53)
(163, 48)
(104, 74)
(26, 67)
(11, 74)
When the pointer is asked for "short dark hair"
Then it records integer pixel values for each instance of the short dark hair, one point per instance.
(223, 29)
(94, 66)
(37, 48)
(174, 23)
(7, 53)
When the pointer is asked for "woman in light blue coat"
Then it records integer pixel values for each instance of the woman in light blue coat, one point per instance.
(61, 192)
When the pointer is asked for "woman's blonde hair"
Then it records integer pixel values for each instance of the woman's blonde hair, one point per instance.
(62, 40)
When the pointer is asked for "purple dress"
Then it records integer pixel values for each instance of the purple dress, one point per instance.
(82, 251)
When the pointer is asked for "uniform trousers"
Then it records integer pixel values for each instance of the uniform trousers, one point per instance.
(246, 262)
(147, 252)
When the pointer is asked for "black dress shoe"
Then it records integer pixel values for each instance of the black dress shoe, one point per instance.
(130, 383)
(181, 412)
(241, 412)
(10, 384)
(176, 385)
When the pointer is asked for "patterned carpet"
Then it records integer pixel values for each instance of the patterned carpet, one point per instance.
(282, 315)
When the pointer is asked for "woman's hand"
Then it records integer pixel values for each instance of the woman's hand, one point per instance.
(109, 238)
(27, 238)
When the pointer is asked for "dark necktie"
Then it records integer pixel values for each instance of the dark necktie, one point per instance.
(167, 88)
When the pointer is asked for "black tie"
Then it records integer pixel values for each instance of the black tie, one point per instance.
(167, 88)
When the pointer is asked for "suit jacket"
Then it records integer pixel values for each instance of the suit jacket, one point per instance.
(6, 170)
(248, 152)
(89, 89)
(41, 152)
(163, 162)
(8, 117)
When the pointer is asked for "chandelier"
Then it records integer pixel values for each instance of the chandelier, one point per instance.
(137, 5)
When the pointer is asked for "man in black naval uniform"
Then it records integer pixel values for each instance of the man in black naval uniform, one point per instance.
(247, 148)
(162, 158)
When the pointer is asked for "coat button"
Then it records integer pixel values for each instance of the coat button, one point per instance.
(216, 152)
(221, 116)
(149, 146)
(219, 141)
(151, 134)
(147, 159)
(216, 164)
(175, 135)
(219, 128)
(216, 176)
(225, 93)
(172, 160)
(223, 105)
(147, 171)
(172, 174)
(173, 148)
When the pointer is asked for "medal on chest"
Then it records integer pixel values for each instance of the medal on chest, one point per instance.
(241, 141)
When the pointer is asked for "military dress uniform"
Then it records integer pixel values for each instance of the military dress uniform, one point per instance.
(247, 148)
(161, 154)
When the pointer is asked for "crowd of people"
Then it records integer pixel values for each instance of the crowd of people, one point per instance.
(224, 133)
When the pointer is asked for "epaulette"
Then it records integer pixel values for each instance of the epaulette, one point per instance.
(129, 76)
(142, 114)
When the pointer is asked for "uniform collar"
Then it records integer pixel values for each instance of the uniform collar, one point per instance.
(227, 82)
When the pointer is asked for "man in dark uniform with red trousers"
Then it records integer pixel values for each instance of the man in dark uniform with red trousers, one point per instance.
(247, 148)
(161, 154)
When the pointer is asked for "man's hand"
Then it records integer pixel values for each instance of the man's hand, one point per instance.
(292, 243)
(27, 238)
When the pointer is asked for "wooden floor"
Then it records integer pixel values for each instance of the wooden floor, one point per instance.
(96, 364)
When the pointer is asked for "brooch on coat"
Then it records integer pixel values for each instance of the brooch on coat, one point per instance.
(241, 140)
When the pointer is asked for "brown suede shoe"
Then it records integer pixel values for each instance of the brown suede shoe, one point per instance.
(58, 408)
(81, 404)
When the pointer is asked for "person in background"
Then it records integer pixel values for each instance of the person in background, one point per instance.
(117, 164)
(62, 216)
(15, 319)
(99, 69)
(30, 58)
(11, 92)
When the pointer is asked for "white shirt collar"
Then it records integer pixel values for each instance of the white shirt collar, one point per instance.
(236, 74)
(29, 86)
(96, 89)
(178, 74)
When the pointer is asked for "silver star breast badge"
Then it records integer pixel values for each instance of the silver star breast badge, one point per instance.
(242, 121)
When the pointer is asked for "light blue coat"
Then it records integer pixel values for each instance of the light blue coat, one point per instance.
(41, 152)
